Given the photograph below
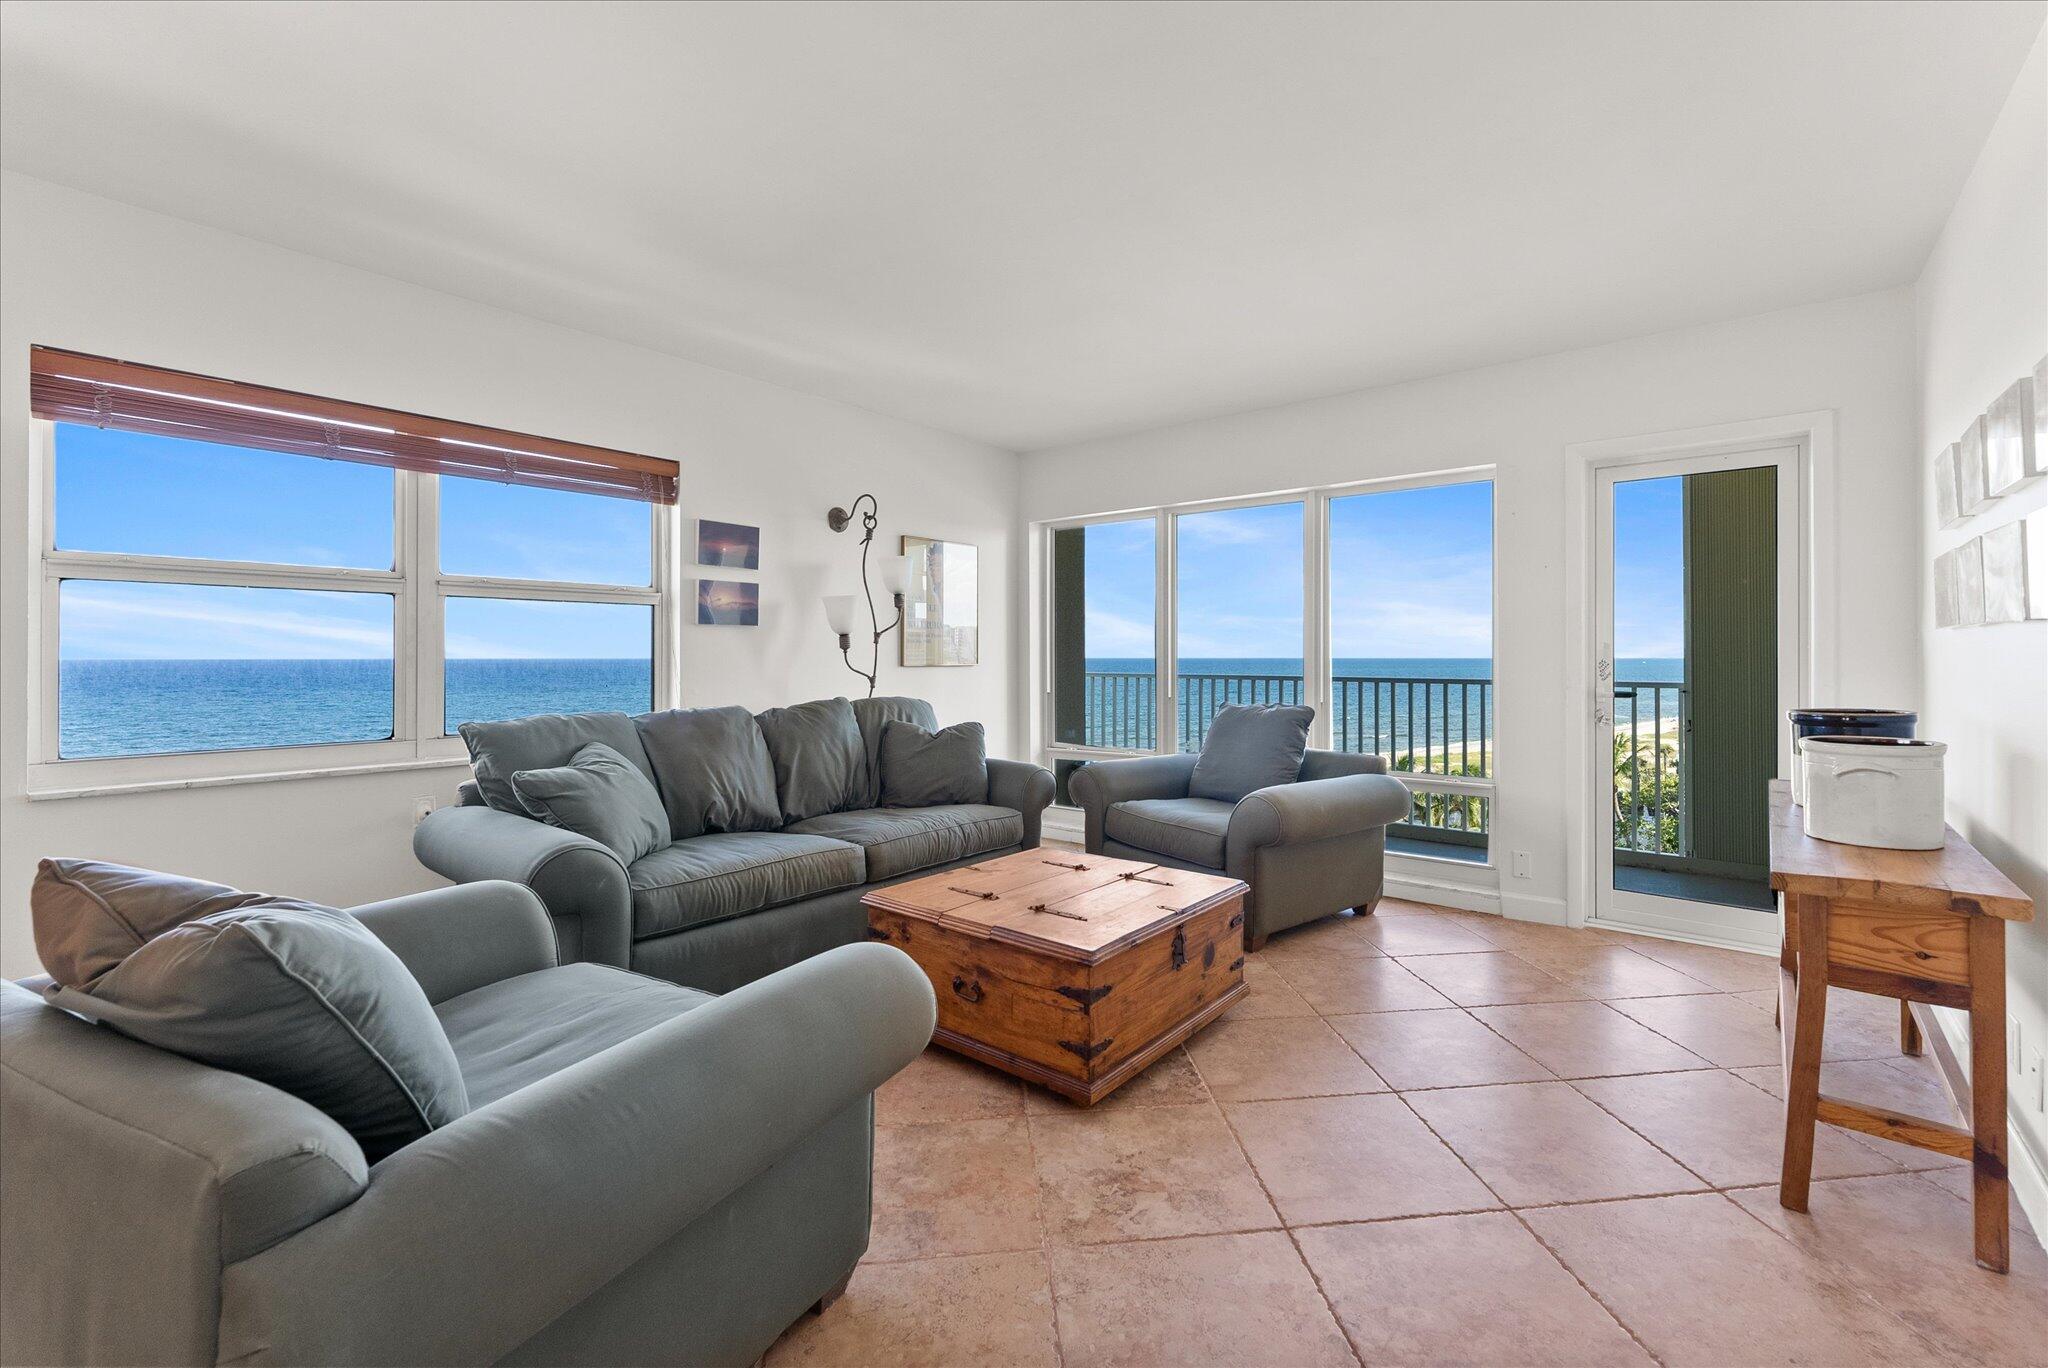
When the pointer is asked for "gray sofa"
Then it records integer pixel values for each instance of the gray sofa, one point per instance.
(1308, 849)
(723, 908)
(647, 1174)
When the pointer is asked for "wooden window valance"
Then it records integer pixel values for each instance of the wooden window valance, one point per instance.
(72, 387)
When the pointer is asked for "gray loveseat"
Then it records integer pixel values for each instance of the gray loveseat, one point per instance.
(646, 1174)
(718, 908)
(1308, 849)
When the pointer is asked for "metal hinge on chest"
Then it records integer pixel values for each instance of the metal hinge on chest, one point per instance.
(1087, 997)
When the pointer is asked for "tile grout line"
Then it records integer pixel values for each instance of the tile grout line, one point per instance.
(1267, 1192)
(1052, 1290)
(1570, 1272)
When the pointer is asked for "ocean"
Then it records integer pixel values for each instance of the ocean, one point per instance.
(141, 707)
(145, 707)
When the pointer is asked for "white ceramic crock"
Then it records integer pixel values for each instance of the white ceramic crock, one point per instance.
(1874, 791)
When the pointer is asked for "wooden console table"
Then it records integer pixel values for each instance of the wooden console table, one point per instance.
(1916, 925)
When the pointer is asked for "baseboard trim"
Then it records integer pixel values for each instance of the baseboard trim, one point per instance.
(1531, 908)
(1063, 824)
(1441, 893)
(1948, 1039)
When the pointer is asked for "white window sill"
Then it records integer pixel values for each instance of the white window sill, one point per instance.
(45, 788)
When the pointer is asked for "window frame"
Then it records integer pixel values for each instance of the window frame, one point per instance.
(418, 591)
(1317, 657)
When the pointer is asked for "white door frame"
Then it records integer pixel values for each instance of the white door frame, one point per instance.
(1814, 434)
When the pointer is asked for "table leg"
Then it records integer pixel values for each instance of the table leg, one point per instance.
(1803, 1005)
(1909, 1029)
(1990, 1183)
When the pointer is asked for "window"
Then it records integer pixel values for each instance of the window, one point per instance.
(1371, 603)
(229, 571)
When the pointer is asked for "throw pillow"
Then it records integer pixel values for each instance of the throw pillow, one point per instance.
(820, 764)
(299, 996)
(599, 794)
(874, 714)
(90, 915)
(924, 769)
(1251, 746)
(499, 750)
(713, 768)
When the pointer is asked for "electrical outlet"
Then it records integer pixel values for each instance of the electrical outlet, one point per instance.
(420, 808)
(1521, 864)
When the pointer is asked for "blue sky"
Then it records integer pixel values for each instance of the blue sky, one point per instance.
(1411, 575)
(149, 495)
(1649, 559)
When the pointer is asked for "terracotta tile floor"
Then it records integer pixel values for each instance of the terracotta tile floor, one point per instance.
(1426, 1137)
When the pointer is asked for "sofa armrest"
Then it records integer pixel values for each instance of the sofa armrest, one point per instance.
(1314, 810)
(460, 938)
(1101, 784)
(1025, 787)
(472, 1238)
(580, 882)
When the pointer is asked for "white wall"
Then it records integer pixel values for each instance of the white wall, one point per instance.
(86, 273)
(1853, 356)
(1981, 309)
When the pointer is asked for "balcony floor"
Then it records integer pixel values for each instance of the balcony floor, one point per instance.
(1435, 850)
(1707, 888)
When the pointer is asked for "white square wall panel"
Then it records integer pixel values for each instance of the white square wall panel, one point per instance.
(1946, 514)
(1973, 491)
(2005, 573)
(2035, 549)
(1970, 583)
(1947, 609)
(2011, 456)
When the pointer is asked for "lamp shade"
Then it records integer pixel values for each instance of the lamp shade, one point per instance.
(895, 572)
(839, 613)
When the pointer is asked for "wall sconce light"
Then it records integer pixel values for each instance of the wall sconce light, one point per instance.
(895, 573)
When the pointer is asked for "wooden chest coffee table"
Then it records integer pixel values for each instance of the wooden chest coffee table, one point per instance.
(1070, 971)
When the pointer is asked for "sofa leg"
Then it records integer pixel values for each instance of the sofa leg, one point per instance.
(1254, 941)
(838, 1290)
(1365, 911)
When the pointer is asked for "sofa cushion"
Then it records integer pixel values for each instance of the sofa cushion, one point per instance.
(922, 768)
(899, 840)
(302, 997)
(1190, 829)
(521, 1029)
(498, 750)
(727, 874)
(713, 769)
(873, 714)
(90, 915)
(1251, 746)
(599, 794)
(820, 762)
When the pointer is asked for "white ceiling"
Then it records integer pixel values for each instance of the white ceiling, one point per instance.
(1032, 223)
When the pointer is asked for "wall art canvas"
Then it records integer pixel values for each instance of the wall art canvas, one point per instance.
(2005, 573)
(2034, 548)
(1946, 514)
(2011, 456)
(1947, 609)
(2041, 410)
(1972, 490)
(735, 546)
(728, 603)
(1970, 583)
(942, 611)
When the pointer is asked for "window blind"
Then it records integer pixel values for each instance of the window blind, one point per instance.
(72, 387)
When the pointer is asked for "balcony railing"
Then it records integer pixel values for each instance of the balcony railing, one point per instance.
(1649, 762)
(1422, 726)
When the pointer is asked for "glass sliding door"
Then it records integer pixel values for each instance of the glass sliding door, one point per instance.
(1411, 653)
(1105, 684)
(1239, 589)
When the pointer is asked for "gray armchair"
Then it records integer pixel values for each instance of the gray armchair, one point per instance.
(647, 1174)
(1308, 849)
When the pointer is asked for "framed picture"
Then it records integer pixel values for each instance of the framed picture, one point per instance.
(2011, 456)
(942, 610)
(734, 546)
(728, 603)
